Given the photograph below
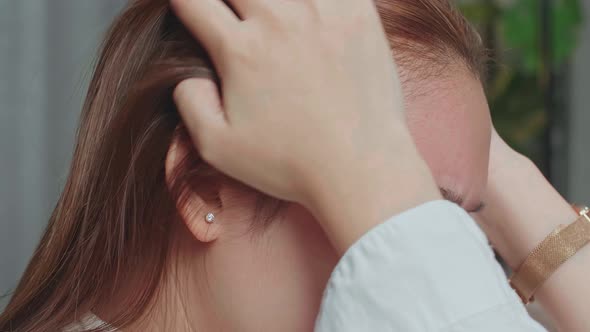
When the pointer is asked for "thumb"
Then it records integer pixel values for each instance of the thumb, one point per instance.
(199, 105)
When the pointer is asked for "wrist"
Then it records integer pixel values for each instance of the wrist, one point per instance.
(522, 208)
(352, 205)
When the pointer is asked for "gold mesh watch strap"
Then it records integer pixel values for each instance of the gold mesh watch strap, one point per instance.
(556, 249)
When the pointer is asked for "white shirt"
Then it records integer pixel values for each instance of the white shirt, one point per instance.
(427, 269)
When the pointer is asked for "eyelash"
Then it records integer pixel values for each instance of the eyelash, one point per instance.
(453, 197)
(480, 207)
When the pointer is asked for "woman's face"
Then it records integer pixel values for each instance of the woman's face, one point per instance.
(450, 122)
(274, 280)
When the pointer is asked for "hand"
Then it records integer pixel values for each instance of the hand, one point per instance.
(311, 109)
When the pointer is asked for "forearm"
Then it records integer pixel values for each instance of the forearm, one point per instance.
(523, 208)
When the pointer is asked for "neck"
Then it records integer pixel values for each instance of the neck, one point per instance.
(180, 304)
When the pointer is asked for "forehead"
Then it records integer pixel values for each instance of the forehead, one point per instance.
(450, 122)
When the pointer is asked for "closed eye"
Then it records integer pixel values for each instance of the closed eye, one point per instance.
(456, 198)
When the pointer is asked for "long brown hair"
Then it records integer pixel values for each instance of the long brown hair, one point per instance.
(115, 213)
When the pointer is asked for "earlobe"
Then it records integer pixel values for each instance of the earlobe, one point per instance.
(194, 212)
(192, 208)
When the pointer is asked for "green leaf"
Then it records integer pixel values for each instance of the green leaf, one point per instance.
(520, 27)
(521, 31)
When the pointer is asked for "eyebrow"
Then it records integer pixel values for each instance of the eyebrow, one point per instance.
(456, 198)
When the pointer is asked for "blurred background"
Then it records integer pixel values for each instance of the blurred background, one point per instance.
(538, 82)
(537, 86)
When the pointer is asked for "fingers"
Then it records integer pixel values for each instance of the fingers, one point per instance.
(199, 105)
(212, 22)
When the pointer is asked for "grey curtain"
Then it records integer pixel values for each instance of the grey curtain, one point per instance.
(46, 51)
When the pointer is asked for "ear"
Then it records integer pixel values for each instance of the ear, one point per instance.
(195, 208)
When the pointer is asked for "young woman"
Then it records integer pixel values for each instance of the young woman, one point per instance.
(148, 236)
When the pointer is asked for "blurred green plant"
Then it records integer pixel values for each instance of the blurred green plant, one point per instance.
(518, 76)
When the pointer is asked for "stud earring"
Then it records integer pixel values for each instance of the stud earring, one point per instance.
(210, 218)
